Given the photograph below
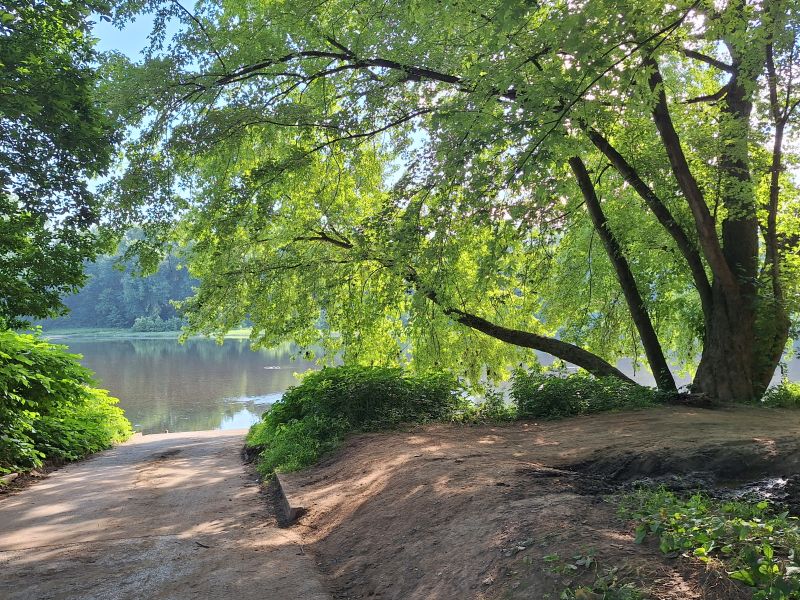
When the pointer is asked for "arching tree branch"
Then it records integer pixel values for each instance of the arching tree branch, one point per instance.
(525, 339)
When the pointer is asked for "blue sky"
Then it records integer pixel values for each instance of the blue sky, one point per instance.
(130, 40)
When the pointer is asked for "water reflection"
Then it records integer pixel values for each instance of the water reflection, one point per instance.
(163, 385)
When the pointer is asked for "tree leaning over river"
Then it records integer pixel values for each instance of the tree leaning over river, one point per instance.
(458, 184)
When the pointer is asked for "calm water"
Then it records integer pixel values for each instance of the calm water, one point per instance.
(164, 385)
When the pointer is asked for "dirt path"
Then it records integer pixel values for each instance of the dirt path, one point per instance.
(169, 516)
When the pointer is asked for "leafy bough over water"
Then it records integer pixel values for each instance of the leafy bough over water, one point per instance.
(753, 542)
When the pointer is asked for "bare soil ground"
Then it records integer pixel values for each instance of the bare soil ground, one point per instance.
(446, 512)
(162, 517)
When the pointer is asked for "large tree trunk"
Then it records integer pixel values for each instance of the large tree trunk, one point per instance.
(726, 369)
(742, 349)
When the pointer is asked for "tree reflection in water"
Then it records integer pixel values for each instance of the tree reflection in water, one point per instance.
(164, 385)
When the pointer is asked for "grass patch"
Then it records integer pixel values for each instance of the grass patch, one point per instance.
(755, 543)
(314, 417)
(541, 395)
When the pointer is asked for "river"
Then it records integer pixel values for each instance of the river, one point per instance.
(166, 386)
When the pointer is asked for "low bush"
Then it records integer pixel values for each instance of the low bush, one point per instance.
(784, 395)
(492, 409)
(755, 544)
(151, 324)
(48, 409)
(542, 395)
(313, 417)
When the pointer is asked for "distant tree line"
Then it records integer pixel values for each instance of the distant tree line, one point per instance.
(115, 296)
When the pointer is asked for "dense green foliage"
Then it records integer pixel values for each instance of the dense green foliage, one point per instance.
(313, 417)
(542, 395)
(54, 136)
(756, 544)
(412, 181)
(48, 409)
(784, 395)
(115, 295)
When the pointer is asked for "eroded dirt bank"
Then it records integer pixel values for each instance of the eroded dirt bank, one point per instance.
(471, 512)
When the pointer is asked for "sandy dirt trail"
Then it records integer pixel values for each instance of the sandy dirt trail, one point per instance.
(168, 516)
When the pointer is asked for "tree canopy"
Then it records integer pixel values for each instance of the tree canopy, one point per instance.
(457, 184)
(54, 136)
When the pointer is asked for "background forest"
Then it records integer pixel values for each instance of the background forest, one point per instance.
(116, 297)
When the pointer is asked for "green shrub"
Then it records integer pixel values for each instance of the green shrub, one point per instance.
(540, 395)
(784, 395)
(313, 417)
(150, 324)
(47, 407)
(756, 545)
(493, 409)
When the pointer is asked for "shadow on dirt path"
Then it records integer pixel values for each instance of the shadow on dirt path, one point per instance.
(169, 516)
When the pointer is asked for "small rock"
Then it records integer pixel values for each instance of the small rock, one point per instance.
(9, 478)
(488, 581)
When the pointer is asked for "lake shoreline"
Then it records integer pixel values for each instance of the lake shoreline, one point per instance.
(91, 333)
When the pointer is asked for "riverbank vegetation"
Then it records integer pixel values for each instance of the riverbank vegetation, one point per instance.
(49, 407)
(314, 417)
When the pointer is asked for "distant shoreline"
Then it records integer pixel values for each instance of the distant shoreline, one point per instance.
(98, 333)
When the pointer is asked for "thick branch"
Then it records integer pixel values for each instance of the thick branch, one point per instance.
(716, 96)
(661, 212)
(525, 339)
(709, 60)
(779, 119)
(706, 228)
(636, 306)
